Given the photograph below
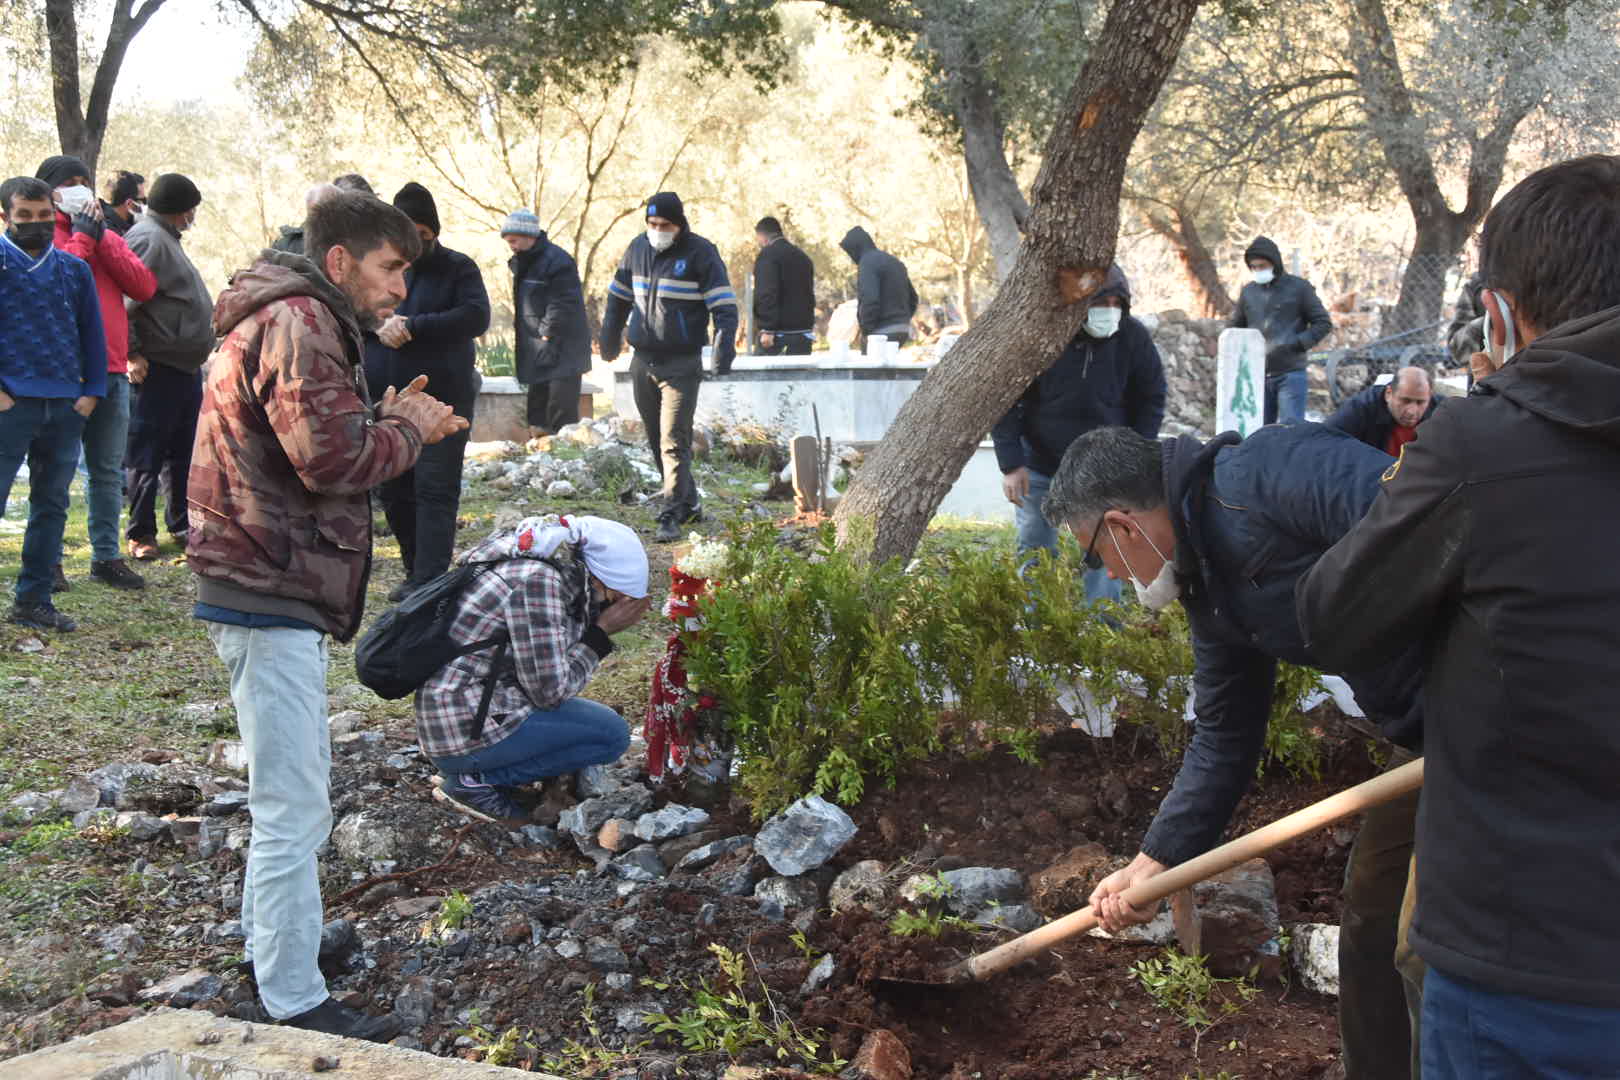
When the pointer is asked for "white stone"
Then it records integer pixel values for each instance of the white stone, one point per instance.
(1314, 952)
(669, 822)
(861, 884)
(560, 489)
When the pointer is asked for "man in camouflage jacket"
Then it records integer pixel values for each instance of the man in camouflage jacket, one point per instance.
(288, 449)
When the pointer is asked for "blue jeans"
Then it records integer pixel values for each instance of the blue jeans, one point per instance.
(278, 685)
(1035, 532)
(105, 433)
(1471, 1032)
(44, 432)
(551, 742)
(1285, 397)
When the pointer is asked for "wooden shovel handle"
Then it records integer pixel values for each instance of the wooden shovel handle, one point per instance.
(1380, 789)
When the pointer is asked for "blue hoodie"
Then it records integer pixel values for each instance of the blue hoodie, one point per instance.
(51, 340)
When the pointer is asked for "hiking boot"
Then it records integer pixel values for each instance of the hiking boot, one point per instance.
(41, 616)
(400, 592)
(336, 1019)
(669, 530)
(467, 794)
(116, 572)
(59, 581)
(143, 549)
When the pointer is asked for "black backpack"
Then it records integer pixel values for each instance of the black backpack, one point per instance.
(411, 643)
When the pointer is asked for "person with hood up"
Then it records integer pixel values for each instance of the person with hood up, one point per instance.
(291, 237)
(1110, 375)
(668, 285)
(434, 334)
(170, 338)
(500, 718)
(120, 276)
(548, 312)
(288, 449)
(1387, 417)
(1286, 310)
(1228, 528)
(885, 300)
(1492, 543)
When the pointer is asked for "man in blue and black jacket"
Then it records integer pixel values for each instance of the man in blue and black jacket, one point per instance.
(668, 285)
(1228, 528)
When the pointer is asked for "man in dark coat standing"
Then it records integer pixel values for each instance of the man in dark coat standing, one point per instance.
(432, 333)
(1387, 416)
(784, 293)
(1493, 543)
(1228, 528)
(548, 313)
(885, 299)
(1109, 376)
(1285, 309)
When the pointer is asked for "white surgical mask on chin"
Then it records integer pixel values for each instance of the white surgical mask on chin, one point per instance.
(660, 240)
(1264, 277)
(1510, 345)
(1164, 590)
(1102, 321)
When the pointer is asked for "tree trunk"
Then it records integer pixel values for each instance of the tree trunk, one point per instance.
(1213, 301)
(62, 29)
(1068, 246)
(1001, 205)
(1440, 238)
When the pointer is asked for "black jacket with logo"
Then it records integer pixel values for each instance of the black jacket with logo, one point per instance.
(548, 313)
(1286, 311)
(784, 289)
(668, 297)
(1493, 542)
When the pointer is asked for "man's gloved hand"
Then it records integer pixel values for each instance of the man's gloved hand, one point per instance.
(725, 351)
(610, 346)
(85, 225)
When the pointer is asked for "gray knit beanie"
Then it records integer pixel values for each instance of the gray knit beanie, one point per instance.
(521, 223)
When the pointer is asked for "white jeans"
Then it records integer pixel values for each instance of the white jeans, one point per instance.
(278, 683)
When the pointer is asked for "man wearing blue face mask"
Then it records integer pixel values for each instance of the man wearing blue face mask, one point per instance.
(1285, 309)
(1109, 376)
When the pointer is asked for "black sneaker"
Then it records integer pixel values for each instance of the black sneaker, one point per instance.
(59, 581)
(43, 616)
(338, 1019)
(669, 531)
(465, 794)
(116, 572)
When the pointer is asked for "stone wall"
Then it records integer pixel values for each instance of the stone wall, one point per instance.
(1187, 348)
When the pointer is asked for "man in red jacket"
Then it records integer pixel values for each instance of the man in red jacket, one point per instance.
(118, 273)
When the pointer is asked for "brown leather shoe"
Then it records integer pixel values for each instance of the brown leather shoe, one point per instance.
(143, 549)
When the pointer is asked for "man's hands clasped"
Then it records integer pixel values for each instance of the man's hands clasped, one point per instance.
(432, 417)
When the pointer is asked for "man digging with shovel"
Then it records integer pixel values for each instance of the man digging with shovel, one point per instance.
(1228, 528)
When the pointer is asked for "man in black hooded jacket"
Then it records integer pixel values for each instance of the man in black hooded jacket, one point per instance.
(885, 300)
(432, 333)
(1227, 528)
(1493, 541)
(1109, 376)
(1285, 309)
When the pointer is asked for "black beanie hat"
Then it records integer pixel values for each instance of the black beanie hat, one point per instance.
(172, 193)
(61, 168)
(416, 203)
(667, 205)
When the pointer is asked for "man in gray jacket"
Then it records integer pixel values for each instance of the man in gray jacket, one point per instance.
(170, 336)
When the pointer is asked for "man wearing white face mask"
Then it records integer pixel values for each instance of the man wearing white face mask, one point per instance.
(1228, 528)
(119, 275)
(669, 284)
(1285, 309)
(1110, 375)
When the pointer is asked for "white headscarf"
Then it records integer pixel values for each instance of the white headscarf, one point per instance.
(612, 551)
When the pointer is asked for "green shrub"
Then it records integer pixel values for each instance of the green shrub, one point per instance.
(833, 672)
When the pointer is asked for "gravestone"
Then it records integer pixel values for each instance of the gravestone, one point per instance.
(1240, 383)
